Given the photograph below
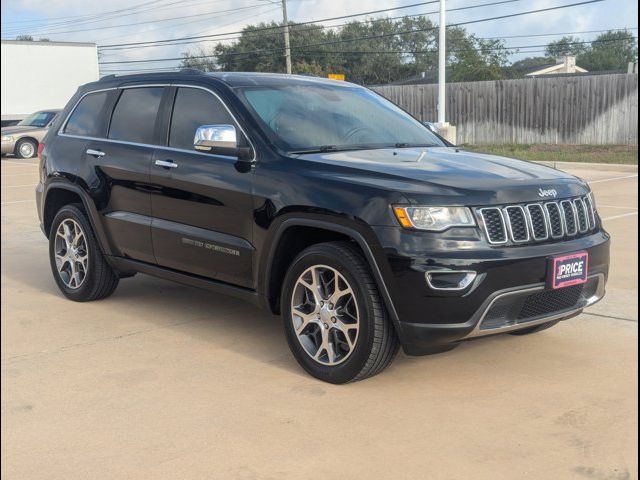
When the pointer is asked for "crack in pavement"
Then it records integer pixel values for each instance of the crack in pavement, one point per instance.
(613, 317)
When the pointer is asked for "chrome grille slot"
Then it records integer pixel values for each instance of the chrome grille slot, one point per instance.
(569, 214)
(581, 215)
(556, 223)
(590, 211)
(494, 225)
(537, 222)
(517, 224)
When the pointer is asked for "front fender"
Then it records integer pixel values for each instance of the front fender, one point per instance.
(364, 238)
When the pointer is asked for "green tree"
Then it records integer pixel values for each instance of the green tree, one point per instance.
(392, 50)
(24, 38)
(612, 50)
(568, 45)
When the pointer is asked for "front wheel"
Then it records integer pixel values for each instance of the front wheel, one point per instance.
(335, 321)
(26, 148)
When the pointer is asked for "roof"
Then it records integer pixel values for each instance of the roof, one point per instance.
(43, 43)
(231, 79)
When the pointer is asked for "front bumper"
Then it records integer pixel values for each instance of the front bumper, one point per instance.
(506, 277)
(7, 147)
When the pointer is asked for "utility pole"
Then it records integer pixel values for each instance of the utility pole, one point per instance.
(442, 66)
(287, 45)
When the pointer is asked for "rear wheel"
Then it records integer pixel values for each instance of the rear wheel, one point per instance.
(79, 268)
(335, 322)
(537, 328)
(26, 148)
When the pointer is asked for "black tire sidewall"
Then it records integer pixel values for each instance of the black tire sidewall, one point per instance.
(20, 142)
(87, 288)
(350, 368)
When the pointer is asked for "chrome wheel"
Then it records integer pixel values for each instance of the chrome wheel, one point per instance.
(325, 316)
(71, 253)
(27, 149)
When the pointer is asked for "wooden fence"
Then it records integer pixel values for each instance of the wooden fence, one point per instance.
(594, 109)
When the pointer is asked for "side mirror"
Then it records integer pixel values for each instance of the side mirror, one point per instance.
(221, 140)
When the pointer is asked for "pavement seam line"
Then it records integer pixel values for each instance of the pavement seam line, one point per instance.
(613, 317)
(612, 179)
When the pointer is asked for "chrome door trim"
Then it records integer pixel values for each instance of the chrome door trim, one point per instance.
(163, 147)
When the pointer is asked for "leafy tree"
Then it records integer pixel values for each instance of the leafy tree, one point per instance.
(388, 54)
(568, 45)
(24, 38)
(612, 50)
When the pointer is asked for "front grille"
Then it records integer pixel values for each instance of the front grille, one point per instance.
(522, 307)
(538, 222)
(517, 223)
(569, 217)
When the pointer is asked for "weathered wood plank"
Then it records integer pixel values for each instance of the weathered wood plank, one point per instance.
(597, 109)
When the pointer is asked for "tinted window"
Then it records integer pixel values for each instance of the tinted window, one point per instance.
(313, 116)
(85, 119)
(134, 117)
(191, 109)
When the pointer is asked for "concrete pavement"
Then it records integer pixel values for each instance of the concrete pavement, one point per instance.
(164, 381)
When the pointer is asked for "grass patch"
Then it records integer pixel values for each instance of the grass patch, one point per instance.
(621, 154)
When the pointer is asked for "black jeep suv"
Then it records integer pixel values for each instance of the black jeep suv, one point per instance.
(318, 200)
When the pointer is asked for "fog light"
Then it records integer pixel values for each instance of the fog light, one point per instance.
(450, 279)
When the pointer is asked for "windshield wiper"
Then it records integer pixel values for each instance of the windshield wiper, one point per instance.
(328, 148)
(410, 145)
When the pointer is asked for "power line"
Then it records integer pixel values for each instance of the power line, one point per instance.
(295, 29)
(93, 18)
(370, 37)
(156, 21)
(274, 27)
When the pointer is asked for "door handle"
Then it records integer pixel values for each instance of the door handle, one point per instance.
(95, 153)
(166, 164)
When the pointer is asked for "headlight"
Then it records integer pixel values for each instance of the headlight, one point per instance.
(7, 138)
(436, 219)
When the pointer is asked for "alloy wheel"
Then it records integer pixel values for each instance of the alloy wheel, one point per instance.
(325, 315)
(71, 253)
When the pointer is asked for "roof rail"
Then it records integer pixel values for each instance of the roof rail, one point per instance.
(192, 71)
(107, 77)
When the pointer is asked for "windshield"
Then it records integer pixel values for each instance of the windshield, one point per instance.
(301, 118)
(38, 119)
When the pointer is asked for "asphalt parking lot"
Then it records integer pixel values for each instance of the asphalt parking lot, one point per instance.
(166, 381)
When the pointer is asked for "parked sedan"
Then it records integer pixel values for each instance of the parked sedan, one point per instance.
(22, 139)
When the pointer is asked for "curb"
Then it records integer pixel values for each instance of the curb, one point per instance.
(615, 167)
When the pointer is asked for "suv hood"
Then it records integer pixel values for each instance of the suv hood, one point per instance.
(473, 178)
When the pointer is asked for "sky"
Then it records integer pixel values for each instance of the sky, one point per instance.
(115, 21)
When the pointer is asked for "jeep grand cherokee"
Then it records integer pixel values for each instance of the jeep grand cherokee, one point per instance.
(320, 201)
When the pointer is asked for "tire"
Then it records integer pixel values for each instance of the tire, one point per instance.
(536, 329)
(26, 148)
(94, 279)
(358, 312)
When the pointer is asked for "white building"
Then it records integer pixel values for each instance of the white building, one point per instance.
(43, 75)
(563, 65)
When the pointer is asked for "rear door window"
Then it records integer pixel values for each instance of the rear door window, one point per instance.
(193, 108)
(85, 119)
(135, 114)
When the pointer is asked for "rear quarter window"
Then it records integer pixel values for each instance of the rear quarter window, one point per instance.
(85, 119)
